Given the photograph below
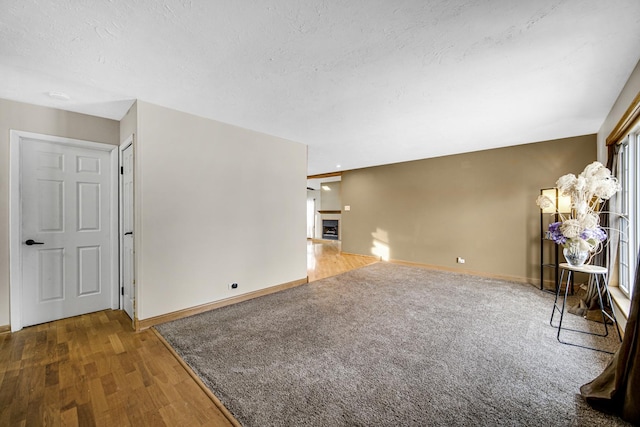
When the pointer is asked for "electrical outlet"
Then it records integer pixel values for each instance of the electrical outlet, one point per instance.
(233, 286)
(460, 260)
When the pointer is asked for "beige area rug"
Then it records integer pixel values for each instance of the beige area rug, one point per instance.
(389, 345)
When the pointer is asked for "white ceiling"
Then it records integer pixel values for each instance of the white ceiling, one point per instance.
(361, 82)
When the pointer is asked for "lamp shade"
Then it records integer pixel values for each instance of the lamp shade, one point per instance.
(561, 203)
(564, 204)
(551, 193)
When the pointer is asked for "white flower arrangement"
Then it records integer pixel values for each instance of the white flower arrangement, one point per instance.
(581, 229)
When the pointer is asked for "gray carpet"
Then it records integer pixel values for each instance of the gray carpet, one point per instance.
(389, 345)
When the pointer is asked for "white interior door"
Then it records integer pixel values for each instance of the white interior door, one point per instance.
(66, 217)
(126, 186)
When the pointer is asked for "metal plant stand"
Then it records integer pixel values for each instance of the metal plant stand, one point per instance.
(598, 279)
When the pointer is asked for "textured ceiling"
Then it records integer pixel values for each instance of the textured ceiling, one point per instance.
(361, 82)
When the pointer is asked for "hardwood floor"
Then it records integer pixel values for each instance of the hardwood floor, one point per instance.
(95, 370)
(325, 259)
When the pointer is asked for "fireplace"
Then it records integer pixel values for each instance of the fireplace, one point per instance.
(330, 229)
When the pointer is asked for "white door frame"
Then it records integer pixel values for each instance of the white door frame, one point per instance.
(15, 216)
(123, 146)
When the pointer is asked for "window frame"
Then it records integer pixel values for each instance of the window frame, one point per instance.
(628, 164)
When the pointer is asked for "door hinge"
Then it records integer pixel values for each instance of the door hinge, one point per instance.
(121, 170)
(122, 291)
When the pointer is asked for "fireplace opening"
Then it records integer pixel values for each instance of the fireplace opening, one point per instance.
(330, 229)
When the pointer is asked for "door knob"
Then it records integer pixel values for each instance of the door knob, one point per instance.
(128, 233)
(33, 242)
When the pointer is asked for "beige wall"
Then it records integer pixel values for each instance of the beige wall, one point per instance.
(627, 95)
(215, 204)
(331, 198)
(129, 123)
(49, 121)
(479, 206)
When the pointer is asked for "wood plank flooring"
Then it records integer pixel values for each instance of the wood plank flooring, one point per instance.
(325, 259)
(94, 370)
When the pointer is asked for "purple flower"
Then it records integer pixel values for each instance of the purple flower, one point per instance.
(555, 233)
(594, 234)
(590, 235)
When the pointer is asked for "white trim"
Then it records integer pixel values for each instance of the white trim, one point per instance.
(622, 301)
(123, 146)
(628, 162)
(115, 249)
(15, 248)
(15, 231)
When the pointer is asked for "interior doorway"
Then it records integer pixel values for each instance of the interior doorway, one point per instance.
(126, 228)
(63, 228)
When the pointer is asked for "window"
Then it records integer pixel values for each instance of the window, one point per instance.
(628, 163)
(311, 217)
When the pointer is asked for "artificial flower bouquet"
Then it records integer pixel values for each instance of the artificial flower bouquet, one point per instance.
(580, 230)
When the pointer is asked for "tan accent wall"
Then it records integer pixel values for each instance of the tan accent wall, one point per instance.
(479, 206)
(48, 121)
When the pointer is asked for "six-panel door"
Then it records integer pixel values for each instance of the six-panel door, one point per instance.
(66, 194)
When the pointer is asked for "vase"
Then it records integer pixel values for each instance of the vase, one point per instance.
(574, 255)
